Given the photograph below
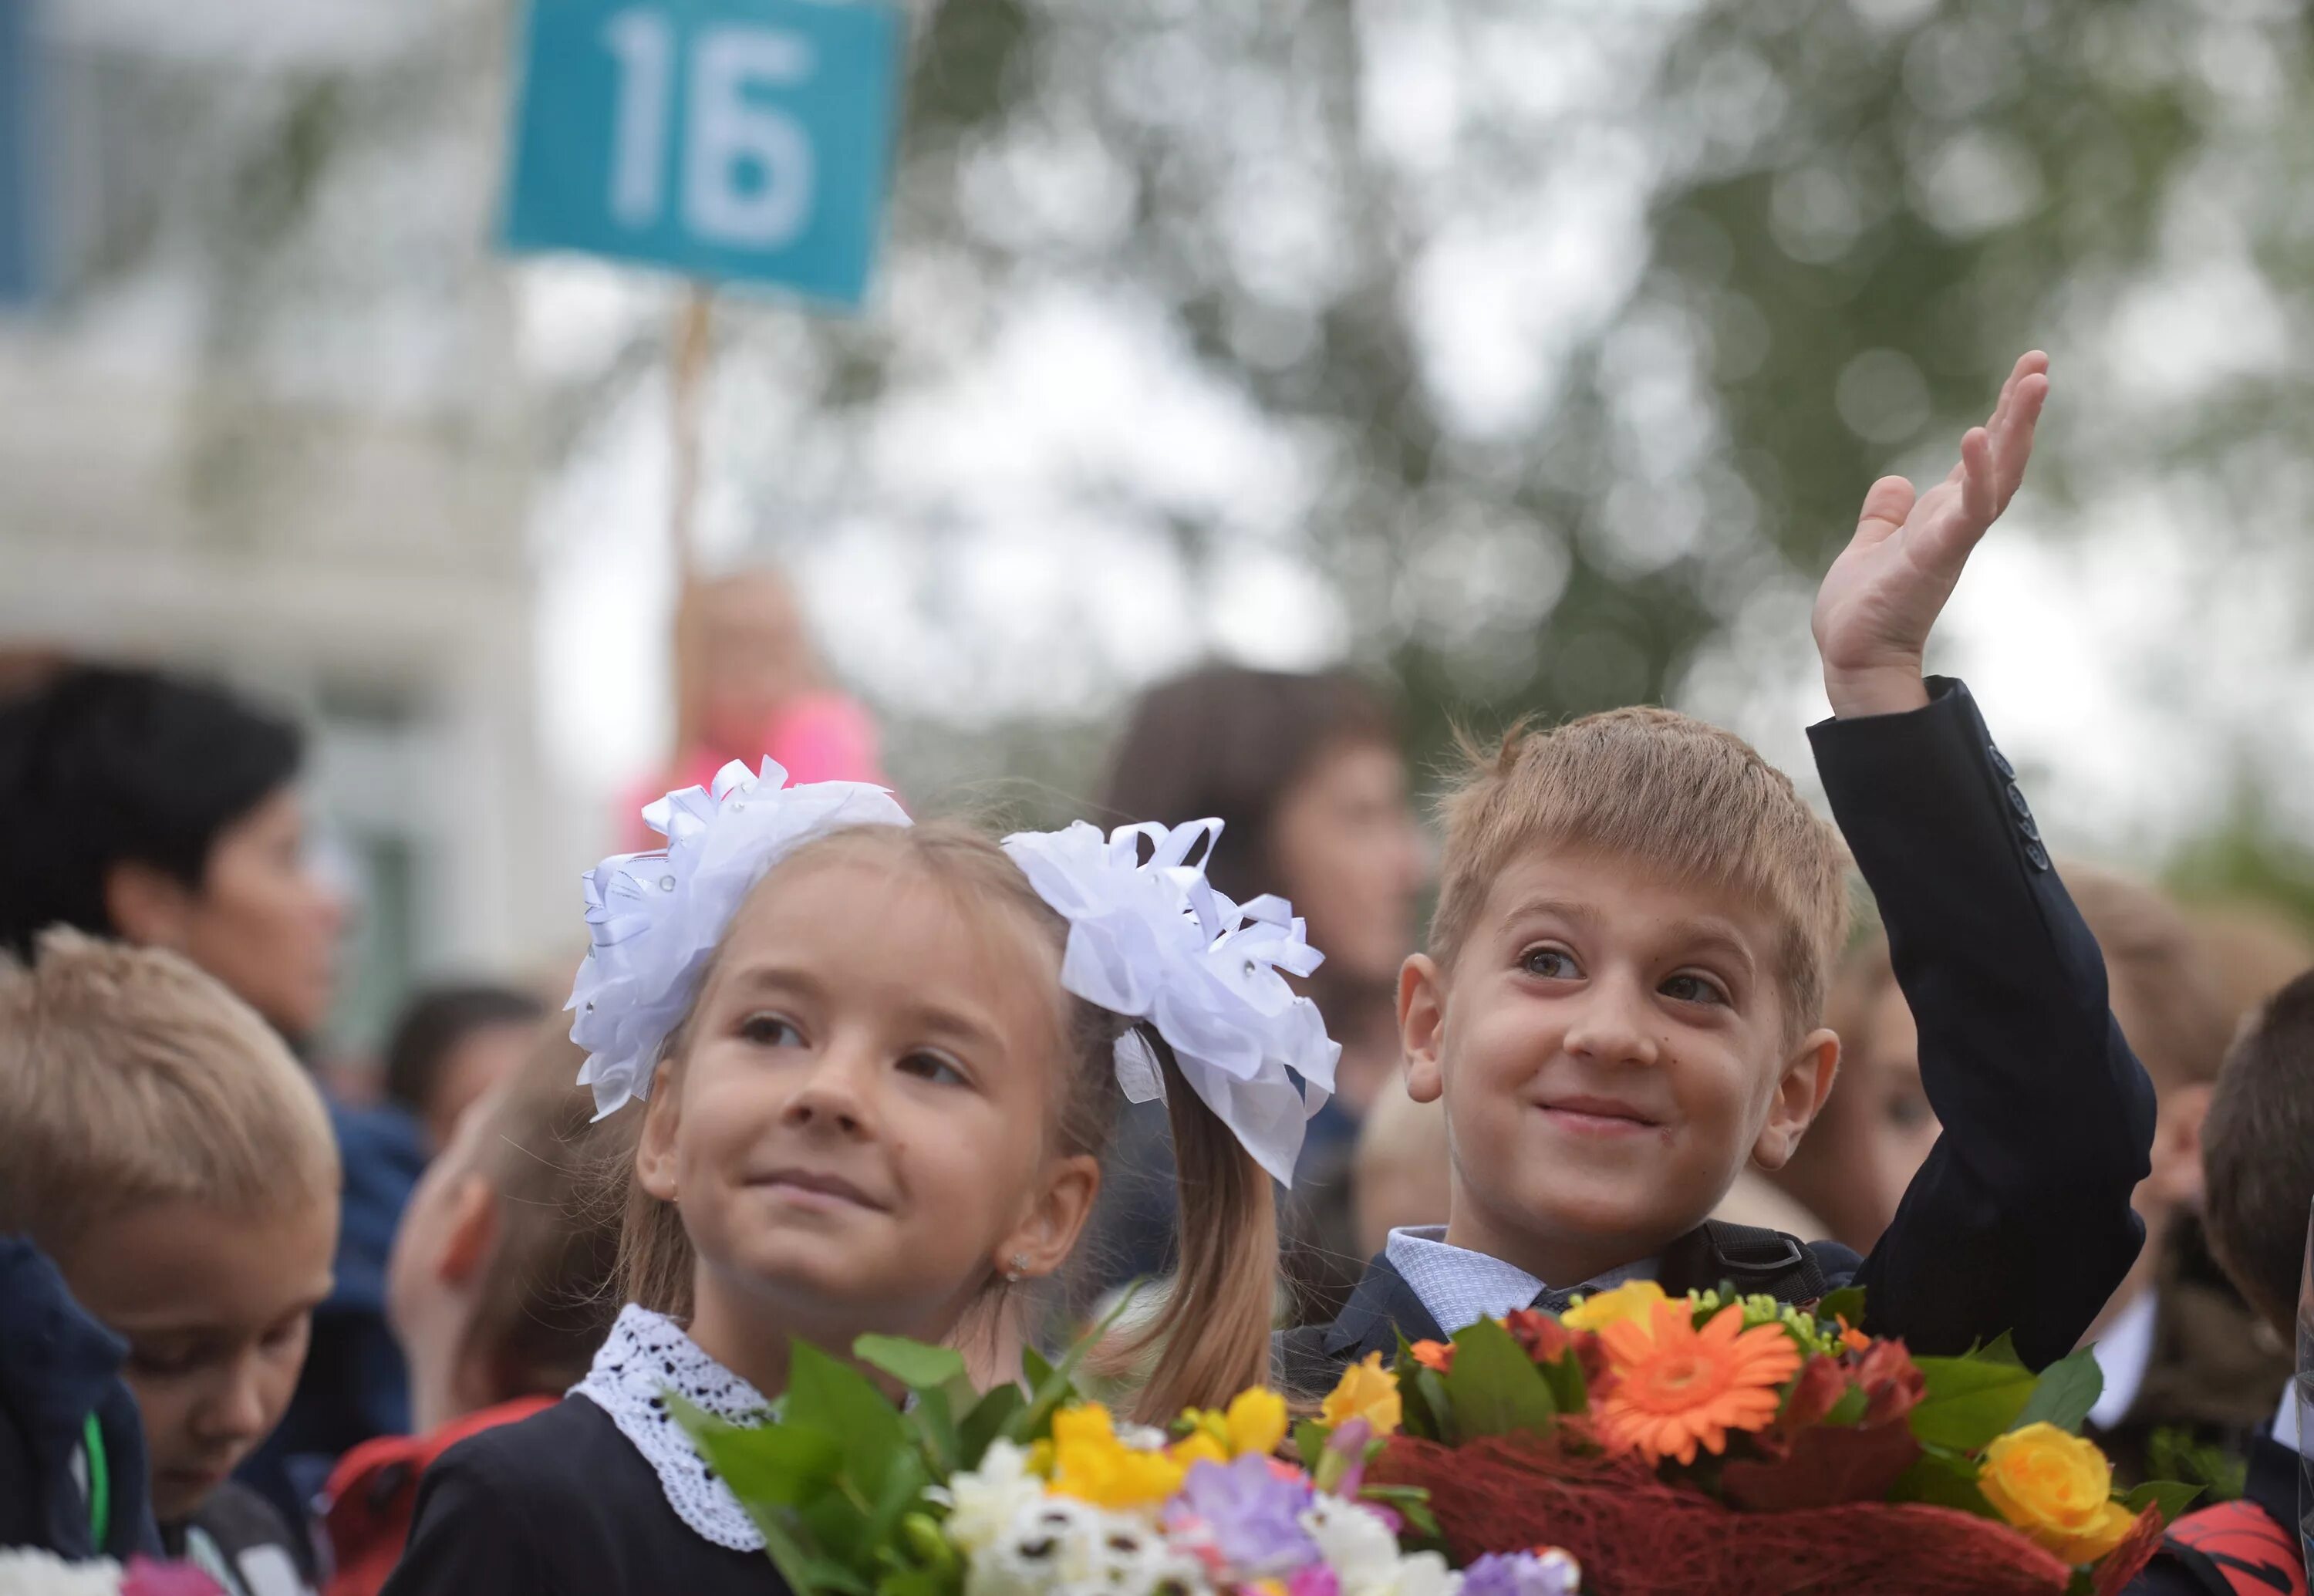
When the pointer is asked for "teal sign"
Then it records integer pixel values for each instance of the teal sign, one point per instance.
(730, 140)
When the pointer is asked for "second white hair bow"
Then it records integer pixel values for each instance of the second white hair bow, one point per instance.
(655, 918)
(1153, 942)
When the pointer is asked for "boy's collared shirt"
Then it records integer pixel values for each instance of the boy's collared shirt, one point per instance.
(2123, 1354)
(1460, 1287)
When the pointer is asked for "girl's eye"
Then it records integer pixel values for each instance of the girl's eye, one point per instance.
(770, 1030)
(931, 1067)
(1693, 989)
(283, 1334)
(1553, 964)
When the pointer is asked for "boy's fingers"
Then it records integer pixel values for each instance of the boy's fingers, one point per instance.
(2016, 439)
(1980, 502)
(1887, 503)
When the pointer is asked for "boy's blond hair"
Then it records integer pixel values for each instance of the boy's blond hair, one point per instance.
(130, 1076)
(1666, 791)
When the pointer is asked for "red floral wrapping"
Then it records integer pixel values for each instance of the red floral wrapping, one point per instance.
(1636, 1537)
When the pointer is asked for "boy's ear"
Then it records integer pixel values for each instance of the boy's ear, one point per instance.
(2177, 1177)
(1042, 1242)
(147, 906)
(1422, 1025)
(470, 1231)
(655, 1147)
(1800, 1093)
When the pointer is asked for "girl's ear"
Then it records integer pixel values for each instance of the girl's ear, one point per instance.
(1422, 1025)
(655, 1165)
(1800, 1093)
(1041, 1243)
(470, 1230)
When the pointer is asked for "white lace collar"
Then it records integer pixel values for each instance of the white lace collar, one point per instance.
(647, 1357)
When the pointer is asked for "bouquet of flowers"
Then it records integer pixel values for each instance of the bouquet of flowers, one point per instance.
(1712, 1444)
(1039, 1493)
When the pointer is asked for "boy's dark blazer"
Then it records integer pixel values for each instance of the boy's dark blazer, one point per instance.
(2020, 1221)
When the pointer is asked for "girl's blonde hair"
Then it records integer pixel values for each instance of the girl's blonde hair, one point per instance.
(1210, 1339)
(544, 1302)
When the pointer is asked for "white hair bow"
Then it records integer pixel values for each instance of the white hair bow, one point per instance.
(654, 919)
(1153, 942)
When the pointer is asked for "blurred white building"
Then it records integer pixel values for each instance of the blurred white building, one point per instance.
(299, 463)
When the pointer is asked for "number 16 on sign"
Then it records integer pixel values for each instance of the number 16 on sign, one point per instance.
(726, 139)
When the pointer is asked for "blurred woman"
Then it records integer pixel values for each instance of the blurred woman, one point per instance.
(1305, 773)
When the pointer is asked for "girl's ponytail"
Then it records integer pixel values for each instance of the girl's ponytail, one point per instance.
(1210, 1338)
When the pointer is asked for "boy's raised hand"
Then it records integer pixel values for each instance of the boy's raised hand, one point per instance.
(1885, 590)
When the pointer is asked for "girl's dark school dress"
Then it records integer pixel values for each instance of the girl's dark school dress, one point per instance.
(561, 1505)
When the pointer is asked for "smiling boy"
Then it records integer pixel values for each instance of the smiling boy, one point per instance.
(171, 1158)
(1621, 1004)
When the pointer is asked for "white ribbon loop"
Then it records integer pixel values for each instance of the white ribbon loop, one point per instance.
(1153, 942)
(654, 919)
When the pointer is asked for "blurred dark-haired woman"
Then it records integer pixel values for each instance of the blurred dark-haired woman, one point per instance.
(1306, 773)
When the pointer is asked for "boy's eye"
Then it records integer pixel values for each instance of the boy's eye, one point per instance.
(770, 1030)
(284, 1333)
(1693, 989)
(1553, 964)
(931, 1067)
(165, 1361)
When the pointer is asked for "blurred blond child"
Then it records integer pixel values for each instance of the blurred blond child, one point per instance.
(165, 1149)
(2182, 1364)
(499, 1289)
(749, 684)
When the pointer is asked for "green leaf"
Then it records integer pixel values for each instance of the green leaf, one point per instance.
(935, 1423)
(1410, 1503)
(1944, 1481)
(784, 1463)
(1058, 1383)
(2001, 1349)
(988, 1419)
(2067, 1389)
(1969, 1401)
(1846, 1304)
(2171, 1496)
(1849, 1409)
(1494, 1385)
(841, 1402)
(1433, 1391)
(914, 1365)
(1310, 1439)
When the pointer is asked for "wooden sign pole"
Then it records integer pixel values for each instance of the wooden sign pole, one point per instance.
(686, 381)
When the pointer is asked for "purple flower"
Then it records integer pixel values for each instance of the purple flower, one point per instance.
(1253, 1515)
(1549, 1573)
(1314, 1579)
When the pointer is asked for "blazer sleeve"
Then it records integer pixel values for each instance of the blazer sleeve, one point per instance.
(471, 1533)
(2020, 1219)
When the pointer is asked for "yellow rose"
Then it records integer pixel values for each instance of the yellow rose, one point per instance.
(1632, 1300)
(2057, 1488)
(1090, 1464)
(1367, 1391)
(1256, 1422)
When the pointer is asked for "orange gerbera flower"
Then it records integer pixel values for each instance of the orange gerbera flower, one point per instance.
(1676, 1386)
(1434, 1355)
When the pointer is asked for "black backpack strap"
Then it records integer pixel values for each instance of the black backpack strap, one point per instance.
(1756, 1262)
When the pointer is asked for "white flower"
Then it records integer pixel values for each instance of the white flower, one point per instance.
(655, 918)
(1362, 1552)
(28, 1573)
(983, 1503)
(1059, 1546)
(1425, 1574)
